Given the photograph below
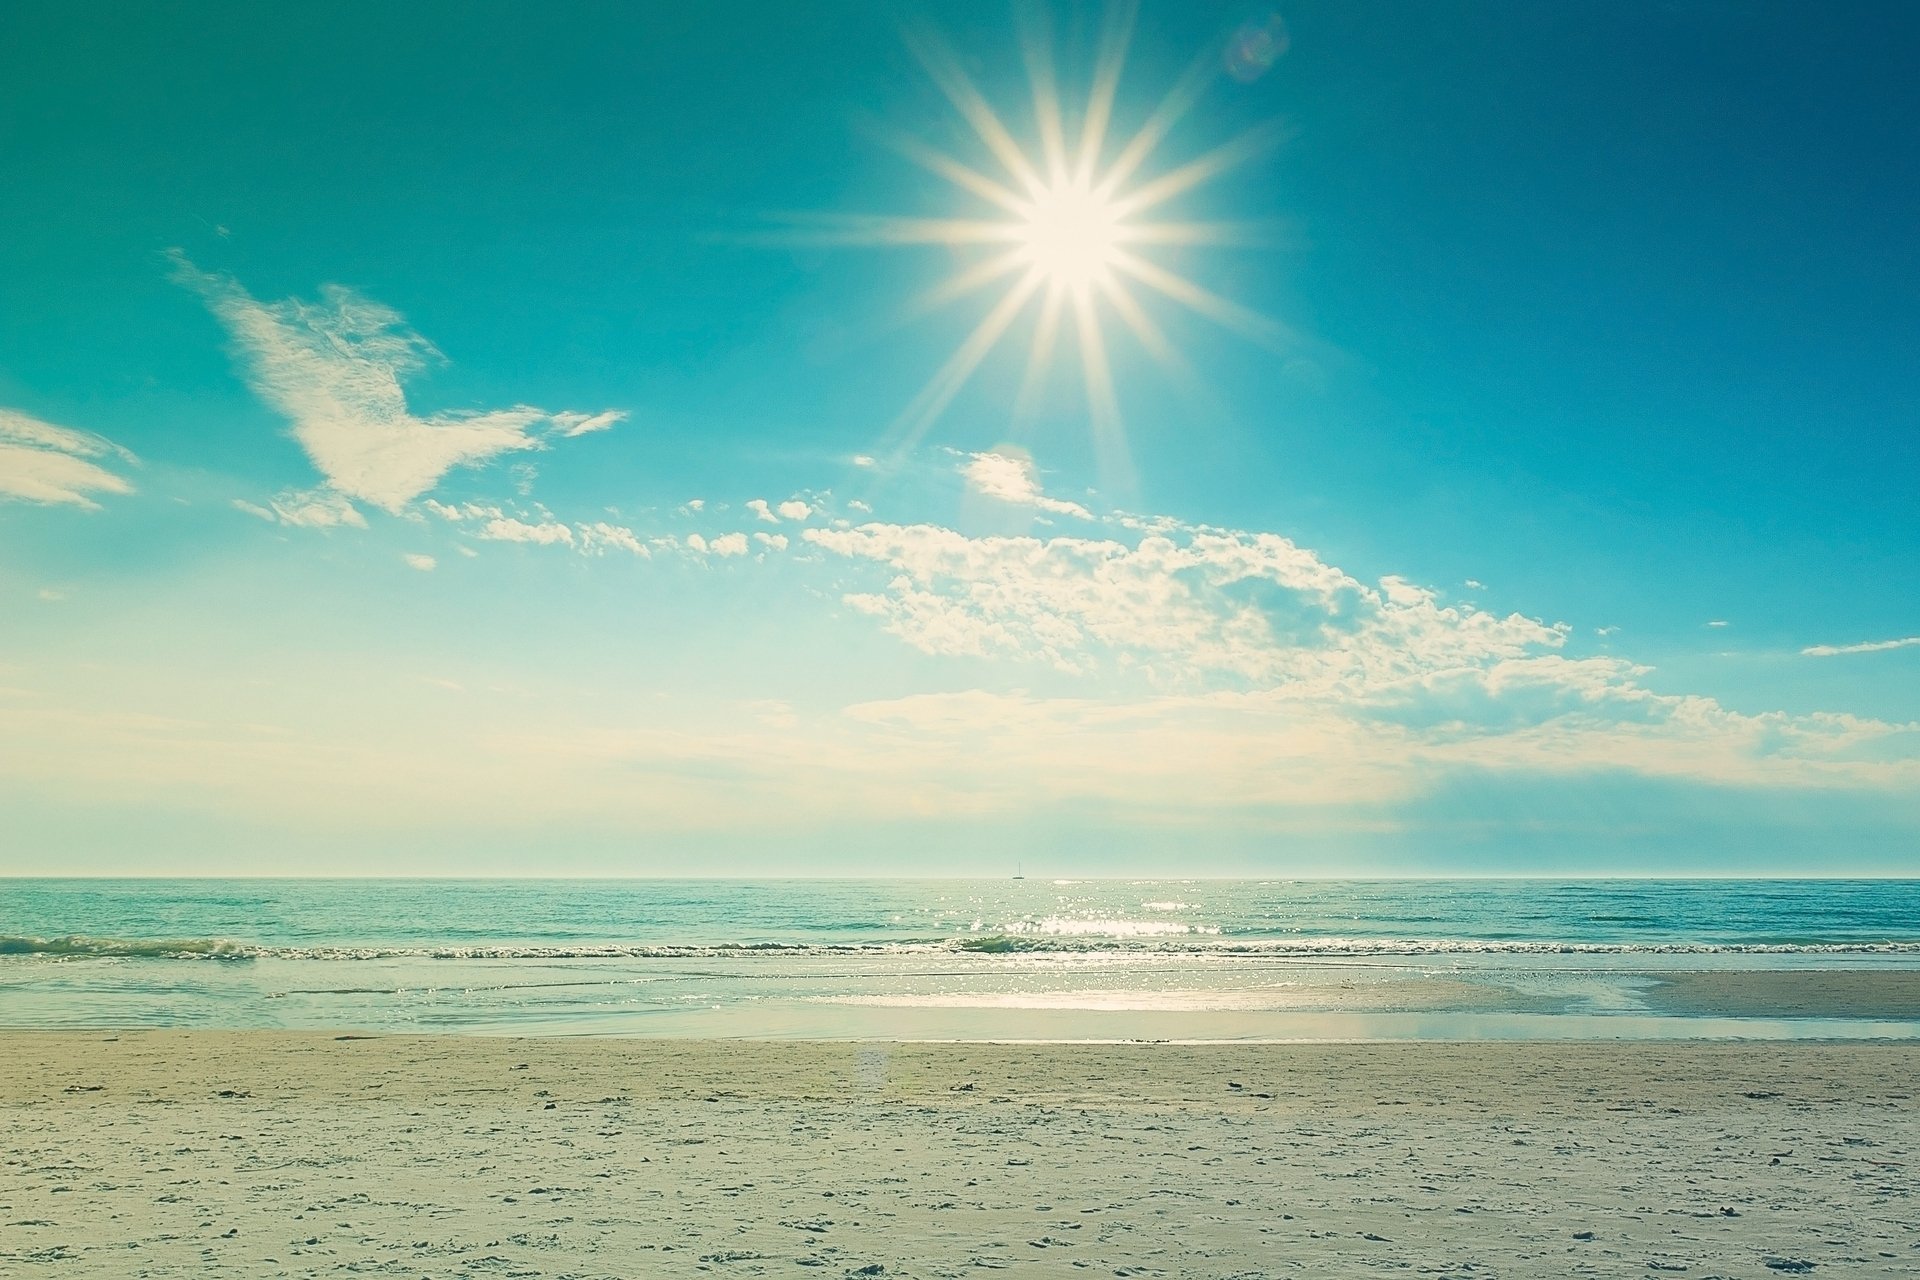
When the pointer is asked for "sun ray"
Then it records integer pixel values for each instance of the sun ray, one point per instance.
(1255, 141)
(1131, 314)
(946, 383)
(865, 229)
(972, 280)
(953, 81)
(945, 166)
(1246, 322)
(1115, 34)
(1040, 354)
(1178, 101)
(1036, 44)
(1103, 405)
(1199, 233)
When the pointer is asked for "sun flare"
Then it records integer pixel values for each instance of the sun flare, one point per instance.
(1070, 236)
(1066, 226)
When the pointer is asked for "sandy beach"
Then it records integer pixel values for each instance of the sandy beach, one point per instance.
(277, 1154)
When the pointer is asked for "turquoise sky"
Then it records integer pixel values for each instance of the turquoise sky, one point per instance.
(486, 438)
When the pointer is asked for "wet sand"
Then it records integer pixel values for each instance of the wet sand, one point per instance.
(1790, 993)
(276, 1154)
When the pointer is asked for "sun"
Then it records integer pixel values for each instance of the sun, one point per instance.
(1063, 227)
(1070, 236)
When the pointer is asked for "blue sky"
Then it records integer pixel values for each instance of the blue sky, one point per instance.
(386, 395)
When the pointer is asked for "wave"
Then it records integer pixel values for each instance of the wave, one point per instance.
(1026, 941)
(128, 948)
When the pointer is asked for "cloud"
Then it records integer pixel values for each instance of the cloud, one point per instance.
(596, 537)
(580, 424)
(424, 564)
(729, 544)
(56, 466)
(600, 537)
(1012, 478)
(1871, 646)
(306, 509)
(334, 368)
(791, 509)
(1186, 606)
(1258, 655)
(772, 541)
(509, 529)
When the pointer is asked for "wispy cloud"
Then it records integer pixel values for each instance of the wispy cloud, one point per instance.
(53, 465)
(580, 424)
(1012, 478)
(306, 509)
(335, 367)
(1871, 646)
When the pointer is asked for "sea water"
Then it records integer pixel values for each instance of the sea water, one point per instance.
(1009, 958)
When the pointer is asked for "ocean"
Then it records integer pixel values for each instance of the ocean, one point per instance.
(936, 959)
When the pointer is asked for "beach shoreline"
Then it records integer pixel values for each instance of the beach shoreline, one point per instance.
(262, 1153)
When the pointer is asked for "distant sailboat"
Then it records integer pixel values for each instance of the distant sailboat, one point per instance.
(1019, 870)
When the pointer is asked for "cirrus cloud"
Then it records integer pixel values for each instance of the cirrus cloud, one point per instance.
(54, 465)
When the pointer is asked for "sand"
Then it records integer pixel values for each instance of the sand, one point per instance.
(273, 1154)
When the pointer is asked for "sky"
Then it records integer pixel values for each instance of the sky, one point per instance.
(605, 439)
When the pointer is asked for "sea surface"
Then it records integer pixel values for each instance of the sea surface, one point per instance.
(935, 959)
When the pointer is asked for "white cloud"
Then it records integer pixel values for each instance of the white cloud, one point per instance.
(762, 511)
(1871, 646)
(580, 424)
(1194, 604)
(306, 509)
(862, 460)
(1267, 657)
(1717, 623)
(1011, 478)
(794, 509)
(508, 529)
(44, 463)
(772, 541)
(601, 536)
(423, 563)
(334, 369)
(696, 543)
(729, 544)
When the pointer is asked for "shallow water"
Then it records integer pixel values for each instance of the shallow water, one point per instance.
(1160, 959)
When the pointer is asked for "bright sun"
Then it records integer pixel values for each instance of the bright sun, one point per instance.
(1064, 227)
(1070, 236)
